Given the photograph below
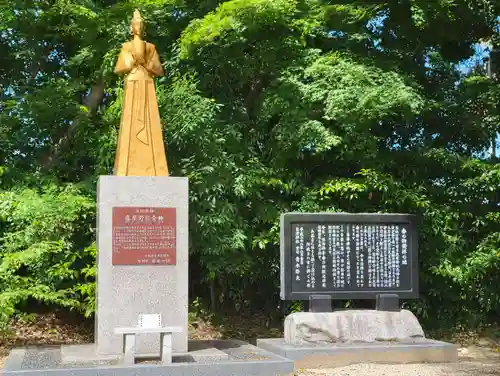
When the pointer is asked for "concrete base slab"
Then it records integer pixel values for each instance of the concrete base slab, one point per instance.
(421, 350)
(198, 351)
(211, 358)
(82, 353)
(201, 351)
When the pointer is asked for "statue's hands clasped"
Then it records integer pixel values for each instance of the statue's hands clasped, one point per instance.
(139, 51)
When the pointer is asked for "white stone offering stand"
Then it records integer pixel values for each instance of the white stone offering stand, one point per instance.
(148, 324)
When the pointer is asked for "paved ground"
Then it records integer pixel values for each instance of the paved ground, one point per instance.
(474, 361)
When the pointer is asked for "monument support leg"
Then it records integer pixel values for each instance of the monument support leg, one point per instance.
(129, 349)
(388, 302)
(166, 348)
(320, 303)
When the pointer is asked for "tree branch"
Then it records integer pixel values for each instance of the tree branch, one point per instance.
(93, 101)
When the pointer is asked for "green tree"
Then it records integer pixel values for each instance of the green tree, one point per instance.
(268, 107)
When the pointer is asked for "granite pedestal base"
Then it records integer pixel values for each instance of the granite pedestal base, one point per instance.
(210, 358)
(420, 350)
(124, 292)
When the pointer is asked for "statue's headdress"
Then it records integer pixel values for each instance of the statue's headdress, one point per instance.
(137, 18)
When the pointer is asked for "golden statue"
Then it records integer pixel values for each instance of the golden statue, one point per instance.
(140, 150)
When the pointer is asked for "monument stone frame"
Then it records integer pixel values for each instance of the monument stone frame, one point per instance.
(286, 267)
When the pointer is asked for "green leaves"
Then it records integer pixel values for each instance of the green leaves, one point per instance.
(359, 93)
(40, 254)
(267, 107)
(235, 21)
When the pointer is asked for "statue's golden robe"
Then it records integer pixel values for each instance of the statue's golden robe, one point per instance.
(140, 150)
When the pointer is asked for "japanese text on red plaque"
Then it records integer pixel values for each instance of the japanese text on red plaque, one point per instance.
(144, 236)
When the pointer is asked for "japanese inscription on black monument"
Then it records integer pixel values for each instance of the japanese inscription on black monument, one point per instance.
(348, 256)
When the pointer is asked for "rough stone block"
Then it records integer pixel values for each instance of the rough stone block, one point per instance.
(351, 326)
(126, 291)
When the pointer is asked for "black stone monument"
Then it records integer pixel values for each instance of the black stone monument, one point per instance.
(328, 256)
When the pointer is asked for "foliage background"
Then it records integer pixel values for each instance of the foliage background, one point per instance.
(268, 106)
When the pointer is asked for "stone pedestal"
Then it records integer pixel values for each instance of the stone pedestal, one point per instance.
(335, 339)
(124, 291)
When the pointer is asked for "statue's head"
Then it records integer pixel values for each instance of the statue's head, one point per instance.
(137, 24)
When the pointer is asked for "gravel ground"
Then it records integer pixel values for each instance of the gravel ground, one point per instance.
(473, 361)
(457, 369)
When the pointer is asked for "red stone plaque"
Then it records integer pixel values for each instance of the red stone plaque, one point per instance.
(144, 236)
